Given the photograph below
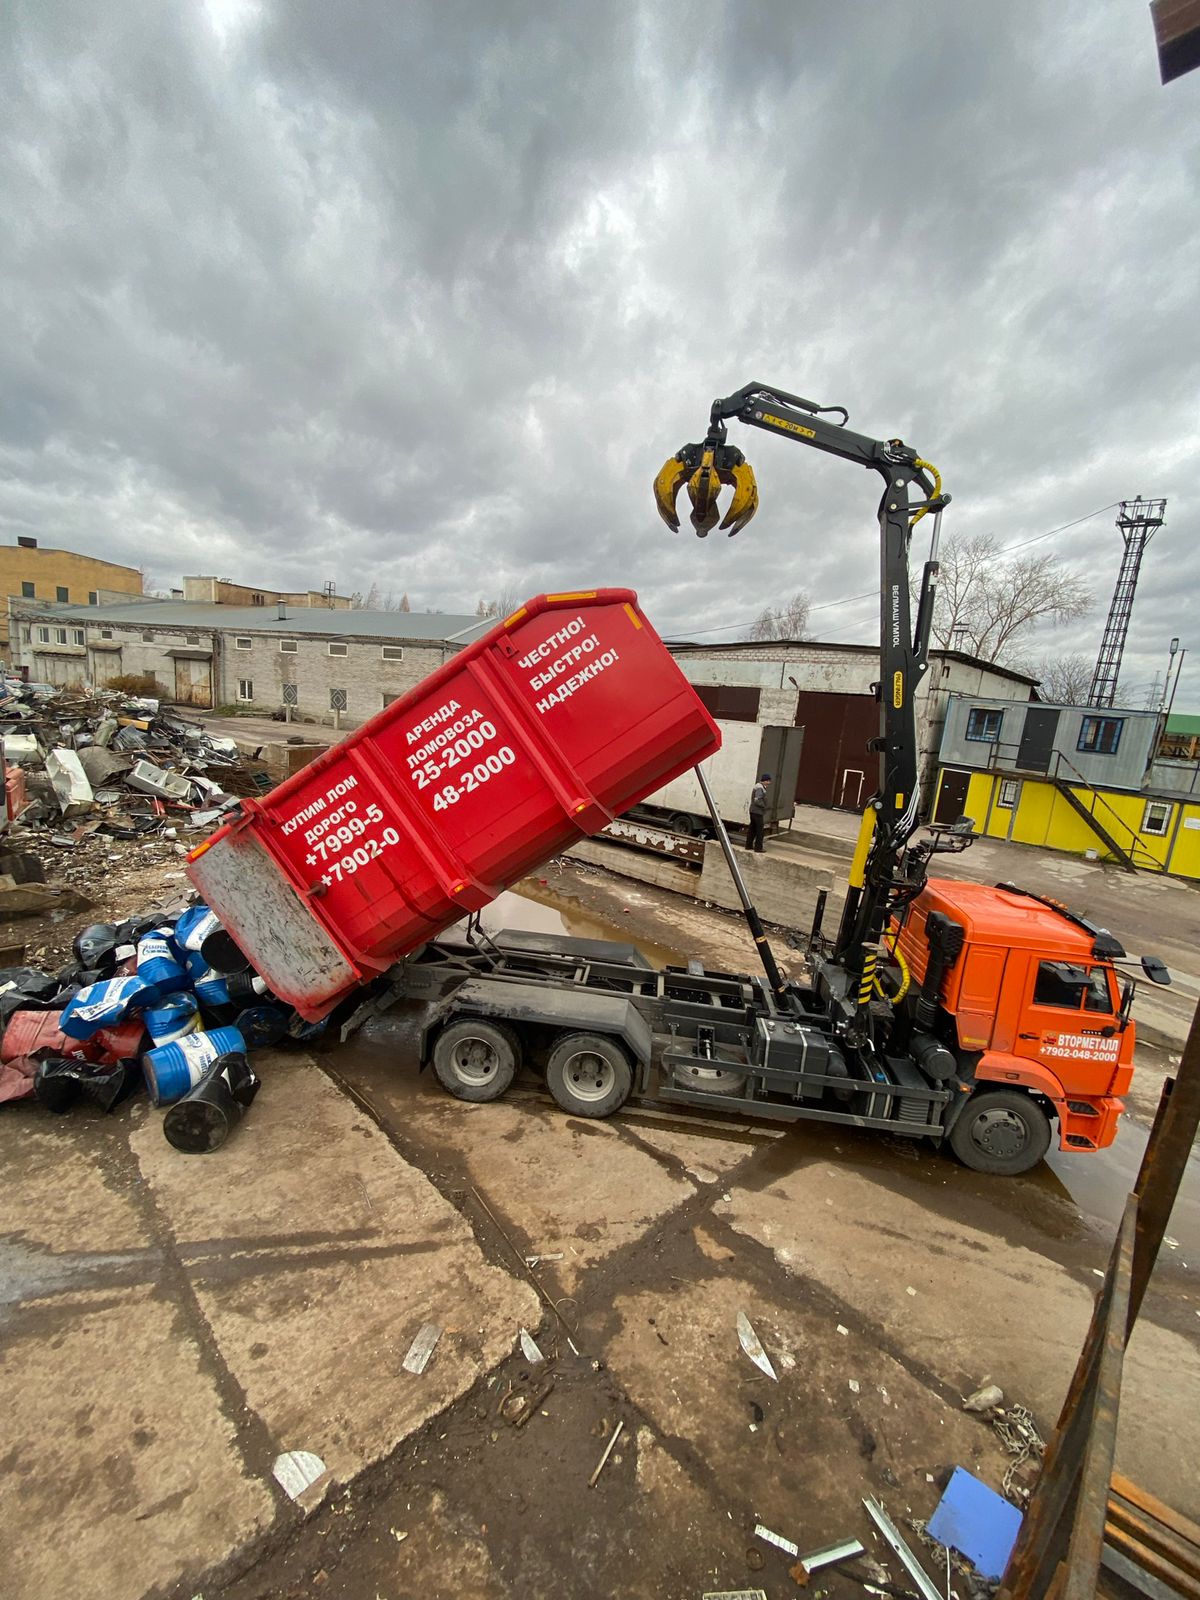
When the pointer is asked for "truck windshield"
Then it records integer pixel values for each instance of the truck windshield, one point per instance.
(1072, 988)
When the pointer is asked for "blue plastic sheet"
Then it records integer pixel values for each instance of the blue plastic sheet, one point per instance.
(977, 1522)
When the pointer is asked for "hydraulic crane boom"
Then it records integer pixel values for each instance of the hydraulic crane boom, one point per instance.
(912, 489)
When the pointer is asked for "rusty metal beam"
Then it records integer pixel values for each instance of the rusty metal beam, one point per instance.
(1087, 1536)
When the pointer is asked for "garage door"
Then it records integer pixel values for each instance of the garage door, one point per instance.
(836, 767)
(65, 672)
(106, 665)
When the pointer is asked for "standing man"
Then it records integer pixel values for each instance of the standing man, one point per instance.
(758, 813)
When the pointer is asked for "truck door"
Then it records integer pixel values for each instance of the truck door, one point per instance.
(1069, 1023)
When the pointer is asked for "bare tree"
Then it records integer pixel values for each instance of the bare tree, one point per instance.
(1064, 679)
(788, 620)
(986, 602)
(504, 604)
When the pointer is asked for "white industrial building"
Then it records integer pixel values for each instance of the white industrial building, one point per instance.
(330, 666)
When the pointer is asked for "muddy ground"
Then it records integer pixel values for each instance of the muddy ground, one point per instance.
(287, 1273)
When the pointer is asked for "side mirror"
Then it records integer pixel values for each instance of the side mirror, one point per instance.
(1155, 970)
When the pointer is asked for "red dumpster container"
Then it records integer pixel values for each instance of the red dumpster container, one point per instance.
(554, 721)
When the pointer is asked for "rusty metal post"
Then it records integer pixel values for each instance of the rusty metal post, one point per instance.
(1164, 1163)
(1040, 1565)
(1087, 1537)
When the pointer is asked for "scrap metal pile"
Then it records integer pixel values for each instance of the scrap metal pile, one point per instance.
(168, 1003)
(85, 761)
(164, 999)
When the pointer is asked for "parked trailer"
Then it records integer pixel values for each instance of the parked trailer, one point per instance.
(747, 750)
(557, 719)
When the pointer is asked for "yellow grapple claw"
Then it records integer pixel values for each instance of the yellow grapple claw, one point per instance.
(705, 468)
(745, 497)
(704, 485)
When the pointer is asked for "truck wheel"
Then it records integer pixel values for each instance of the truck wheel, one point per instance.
(476, 1060)
(680, 822)
(589, 1075)
(1000, 1131)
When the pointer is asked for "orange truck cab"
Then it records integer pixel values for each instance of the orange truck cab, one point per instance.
(1029, 1001)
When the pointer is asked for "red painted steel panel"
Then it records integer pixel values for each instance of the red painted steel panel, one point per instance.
(542, 731)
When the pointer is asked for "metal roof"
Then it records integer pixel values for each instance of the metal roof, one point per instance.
(850, 649)
(403, 626)
(1184, 723)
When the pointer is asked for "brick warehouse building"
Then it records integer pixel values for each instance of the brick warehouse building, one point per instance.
(29, 571)
(318, 662)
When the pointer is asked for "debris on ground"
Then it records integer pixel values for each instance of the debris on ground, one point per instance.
(81, 761)
(777, 1539)
(297, 1470)
(608, 1450)
(752, 1346)
(420, 1350)
(1018, 1433)
(977, 1522)
(529, 1347)
(986, 1398)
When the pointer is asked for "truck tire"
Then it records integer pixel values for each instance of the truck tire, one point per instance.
(589, 1075)
(1000, 1131)
(476, 1060)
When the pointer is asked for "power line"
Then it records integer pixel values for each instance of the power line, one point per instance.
(871, 594)
(1038, 537)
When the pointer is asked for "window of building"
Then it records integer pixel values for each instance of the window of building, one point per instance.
(983, 725)
(336, 649)
(257, 600)
(27, 591)
(93, 597)
(193, 638)
(731, 702)
(393, 652)
(1071, 988)
(77, 636)
(389, 699)
(245, 689)
(43, 635)
(288, 646)
(106, 633)
(1157, 817)
(1010, 789)
(60, 636)
(147, 638)
(1100, 736)
(243, 643)
(62, 593)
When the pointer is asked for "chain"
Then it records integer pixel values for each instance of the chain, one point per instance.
(1019, 1435)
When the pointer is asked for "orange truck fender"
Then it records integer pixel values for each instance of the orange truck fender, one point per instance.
(997, 1067)
(1086, 1124)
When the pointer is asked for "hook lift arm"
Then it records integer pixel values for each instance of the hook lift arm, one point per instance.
(912, 488)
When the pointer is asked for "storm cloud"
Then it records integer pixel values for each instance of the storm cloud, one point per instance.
(423, 295)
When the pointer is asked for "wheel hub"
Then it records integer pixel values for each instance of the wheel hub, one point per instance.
(590, 1076)
(475, 1062)
(999, 1133)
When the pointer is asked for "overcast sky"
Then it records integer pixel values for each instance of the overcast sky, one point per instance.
(423, 295)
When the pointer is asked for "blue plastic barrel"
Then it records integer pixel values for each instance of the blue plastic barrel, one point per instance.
(158, 962)
(173, 1017)
(173, 1069)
